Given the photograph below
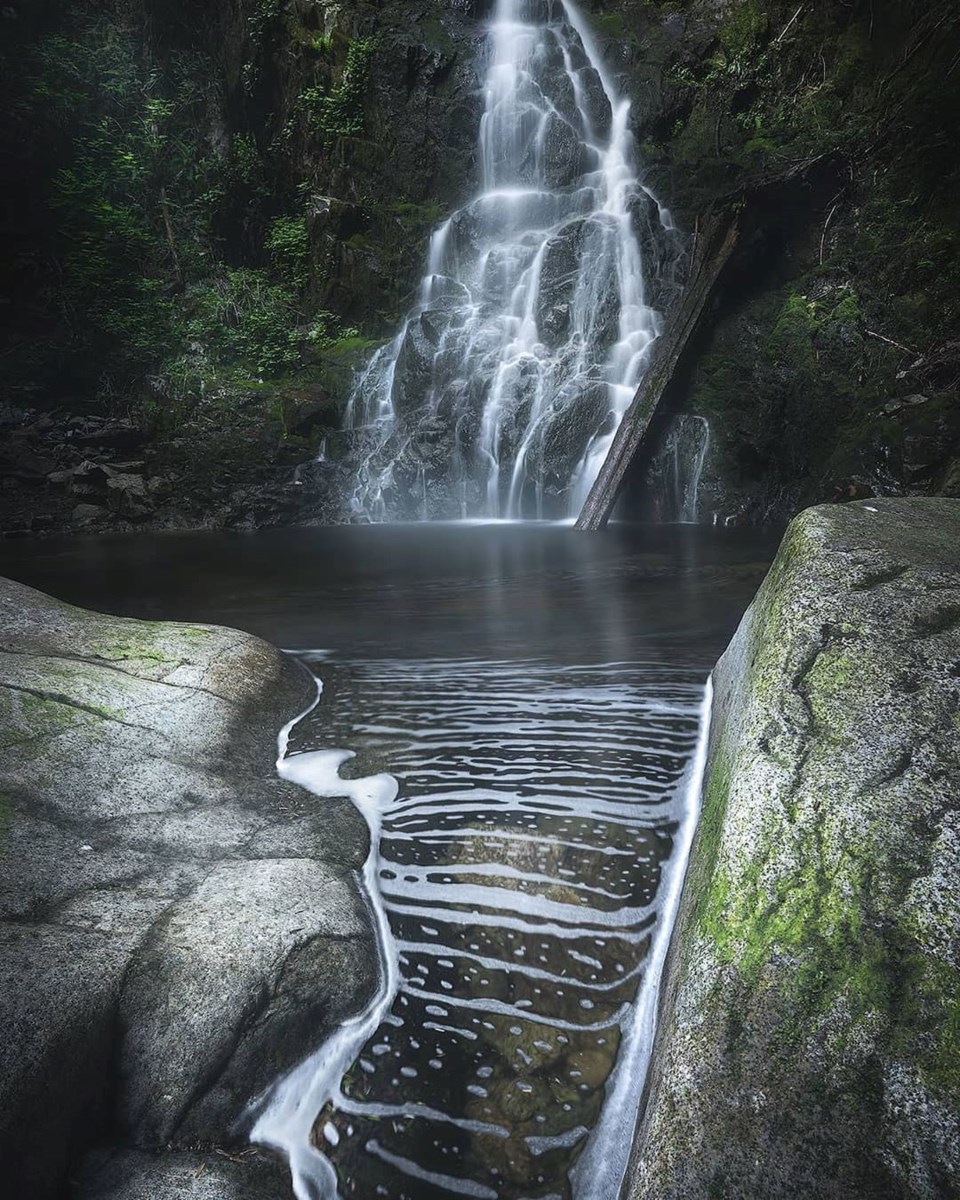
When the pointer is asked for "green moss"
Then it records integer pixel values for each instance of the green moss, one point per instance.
(940, 1064)
(126, 651)
(827, 686)
(791, 341)
(415, 216)
(612, 25)
(743, 27)
(711, 887)
(25, 715)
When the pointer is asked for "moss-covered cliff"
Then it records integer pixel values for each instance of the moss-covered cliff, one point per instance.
(808, 1042)
(832, 366)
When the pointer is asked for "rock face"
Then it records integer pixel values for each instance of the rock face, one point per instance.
(177, 924)
(808, 1043)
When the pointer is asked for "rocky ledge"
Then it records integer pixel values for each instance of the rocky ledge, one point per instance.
(177, 925)
(809, 1042)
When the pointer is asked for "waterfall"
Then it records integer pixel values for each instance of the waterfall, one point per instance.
(678, 469)
(501, 392)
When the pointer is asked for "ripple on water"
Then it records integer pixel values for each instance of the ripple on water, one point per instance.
(519, 866)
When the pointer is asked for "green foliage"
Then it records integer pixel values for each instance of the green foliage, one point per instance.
(338, 111)
(288, 243)
(243, 318)
(743, 27)
(173, 261)
(613, 26)
(123, 157)
(262, 23)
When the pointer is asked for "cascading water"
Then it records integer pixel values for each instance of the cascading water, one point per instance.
(501, 393)
(678, 469)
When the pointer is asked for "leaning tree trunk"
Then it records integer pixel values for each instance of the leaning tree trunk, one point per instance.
(716, 239)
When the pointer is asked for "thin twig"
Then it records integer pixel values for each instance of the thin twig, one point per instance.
(908, 54)
(891, 342)
(783, 32)
(826, 226)
(236, 1158)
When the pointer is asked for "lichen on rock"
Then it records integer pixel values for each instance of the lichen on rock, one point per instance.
(178, 925)
(809, 1044)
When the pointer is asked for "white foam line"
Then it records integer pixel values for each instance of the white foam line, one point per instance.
(600, 1171)
(464, 1033)
(516, 967)
(560, 1141)
(290, 1107)
(492, 870)
(494, 835)
(372, 1109)
(450, 1183)
(496, 900)
(497, 1008)
(628, 816)
(496, 920)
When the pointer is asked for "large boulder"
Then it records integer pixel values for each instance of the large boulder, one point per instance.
(809, 1042)
(178, 925)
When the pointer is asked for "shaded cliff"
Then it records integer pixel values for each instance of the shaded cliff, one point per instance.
(831, 365)
(214, 210)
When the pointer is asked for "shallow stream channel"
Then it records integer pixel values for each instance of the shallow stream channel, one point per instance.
(521, 713)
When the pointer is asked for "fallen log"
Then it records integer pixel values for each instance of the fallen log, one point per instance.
(716, 239)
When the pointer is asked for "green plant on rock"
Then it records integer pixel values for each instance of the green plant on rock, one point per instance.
(243, 318)
(338, 111)
(288, 244)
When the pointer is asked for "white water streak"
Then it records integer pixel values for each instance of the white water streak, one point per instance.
(293, 1104)
(533, 326)
(600, 1172)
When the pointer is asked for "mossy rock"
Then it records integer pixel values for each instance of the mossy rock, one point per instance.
(809, 1046)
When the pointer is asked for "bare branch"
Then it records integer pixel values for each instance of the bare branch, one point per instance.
(890, 342)
(788, 26)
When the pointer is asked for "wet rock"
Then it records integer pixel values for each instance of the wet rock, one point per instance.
(595, 102)
(128, 495)
(89, 479)
(86, 514)
(580, 416)
(809, 1039)
(561, 261)
(167, 903)
(415, 362)
(564, 154)
(138, 1176)
(579, 273)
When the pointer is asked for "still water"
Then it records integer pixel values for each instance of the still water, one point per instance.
(537, 694)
